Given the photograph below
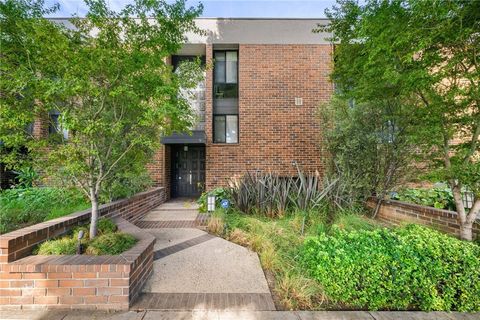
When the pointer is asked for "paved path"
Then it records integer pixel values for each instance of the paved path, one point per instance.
(194, 270)
(234, 315)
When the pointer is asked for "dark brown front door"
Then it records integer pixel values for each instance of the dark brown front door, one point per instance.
(188, 171)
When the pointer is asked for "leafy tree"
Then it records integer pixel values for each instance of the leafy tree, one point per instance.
(424, 54)
(116, 93)
(29, 64)
(369, 146)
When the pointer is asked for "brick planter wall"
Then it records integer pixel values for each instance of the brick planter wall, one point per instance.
(396, 212)
(78, 281)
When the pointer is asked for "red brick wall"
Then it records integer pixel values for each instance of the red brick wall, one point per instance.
(79, 282)
(273, 131)
(91, 282)
(397, 212)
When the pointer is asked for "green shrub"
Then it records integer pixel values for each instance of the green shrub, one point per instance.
(107, 242)
(110, 244)
(219, 193)
(440, 197)
(22, 207)
(60, 246)
(406, 268)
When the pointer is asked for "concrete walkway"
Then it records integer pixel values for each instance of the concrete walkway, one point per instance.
(235, 315)
(194, 270)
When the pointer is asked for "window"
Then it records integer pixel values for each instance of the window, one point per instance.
(225, 129)
(54, 127)
(225, 75)
(225, 96)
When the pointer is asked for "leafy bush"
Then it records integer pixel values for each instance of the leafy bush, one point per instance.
(439, 197)
(406, 268)
(110, 244)
(125, 184)
(104, 226)
(26, 177)
(58, 247)
(219, 193)
(21, 207)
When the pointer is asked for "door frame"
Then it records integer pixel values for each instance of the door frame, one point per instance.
(173, 169)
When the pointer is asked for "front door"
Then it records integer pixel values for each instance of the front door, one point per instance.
(188, 171)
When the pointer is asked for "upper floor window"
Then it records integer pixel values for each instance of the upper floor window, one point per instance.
(225, 96)
(54, 126)
(225, 74)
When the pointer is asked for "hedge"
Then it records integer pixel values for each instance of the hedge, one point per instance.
(408, 268)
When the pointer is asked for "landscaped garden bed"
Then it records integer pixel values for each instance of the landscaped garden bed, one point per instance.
(110, 277)
(318, 255)
(109, 241)
(21, 207)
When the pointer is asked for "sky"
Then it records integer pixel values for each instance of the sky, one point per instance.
(222, 8)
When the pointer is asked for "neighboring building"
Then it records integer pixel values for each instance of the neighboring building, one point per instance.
(257, 105)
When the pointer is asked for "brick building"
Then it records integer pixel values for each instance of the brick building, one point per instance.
(256, 106)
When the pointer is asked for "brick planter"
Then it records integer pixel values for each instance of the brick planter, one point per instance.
(78, 281)
(396, 212)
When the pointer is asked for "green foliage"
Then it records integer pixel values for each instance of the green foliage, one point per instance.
(417, 62)
(26, 176)
(22, 207)
(126, 184)
(370, 150)
(105, 226)
(405, 268)
(58, 247)
(219, 193)
(272, 195)
(440, 197)
(110, 244)
(33, 52)
(278, 243)
(117, 107)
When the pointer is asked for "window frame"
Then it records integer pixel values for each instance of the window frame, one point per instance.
(225, 133)
(230, 112)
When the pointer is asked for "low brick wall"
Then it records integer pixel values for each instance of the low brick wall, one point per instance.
(78, 281)
(396, 212)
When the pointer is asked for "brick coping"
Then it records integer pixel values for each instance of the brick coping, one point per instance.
(124, 262)
(417, 207)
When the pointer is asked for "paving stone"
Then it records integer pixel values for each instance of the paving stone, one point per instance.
(335, 315)
(257, 315)
(181, 315)
(103, 315)
(33, 314)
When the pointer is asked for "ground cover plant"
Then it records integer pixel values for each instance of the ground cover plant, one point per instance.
(22, 207)
(108, 242)
(438, 197)
(407, 268)
(278, 242)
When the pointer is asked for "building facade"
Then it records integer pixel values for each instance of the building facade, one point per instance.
(264, 82)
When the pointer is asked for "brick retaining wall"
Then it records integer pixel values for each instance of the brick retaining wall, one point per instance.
(396, 212)
(78, 281)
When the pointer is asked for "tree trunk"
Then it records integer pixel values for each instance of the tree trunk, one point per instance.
(465, 221)
(94, 218)
(466, 231)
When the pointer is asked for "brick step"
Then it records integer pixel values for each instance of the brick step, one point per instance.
(200, 220)
(204, 301)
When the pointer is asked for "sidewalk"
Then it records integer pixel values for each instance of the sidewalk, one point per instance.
(235, 315)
